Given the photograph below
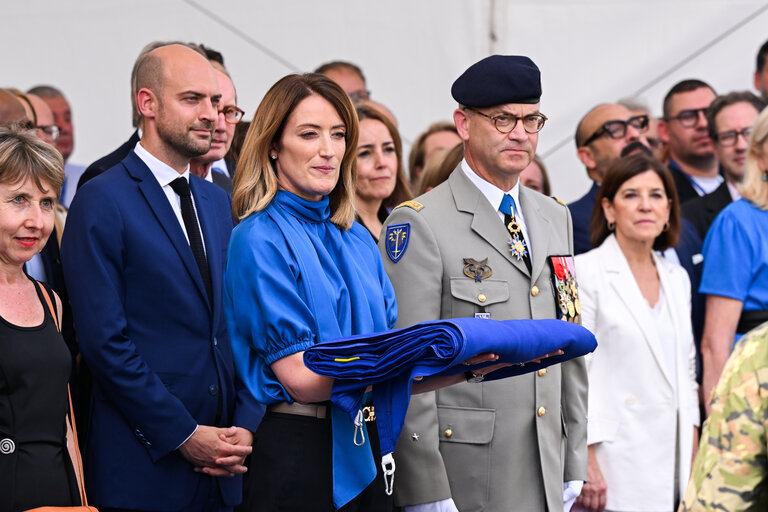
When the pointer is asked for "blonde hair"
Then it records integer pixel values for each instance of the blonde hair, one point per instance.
(24, 156)
(753, 188)
(256, 183)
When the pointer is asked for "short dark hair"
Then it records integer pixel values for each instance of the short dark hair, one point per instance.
(340, 64)
(731, 99)
(761, 54)
(621, 171)
(212, 54)
(688, 85)
(46, 91)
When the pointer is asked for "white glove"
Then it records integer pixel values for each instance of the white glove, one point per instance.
(571, 491)
(435, 506)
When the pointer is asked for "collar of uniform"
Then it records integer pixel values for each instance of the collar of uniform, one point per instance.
(492, 193)
(163, 173)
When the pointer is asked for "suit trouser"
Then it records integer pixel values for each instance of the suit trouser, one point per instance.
(207, 499)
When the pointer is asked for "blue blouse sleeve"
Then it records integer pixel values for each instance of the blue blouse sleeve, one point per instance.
(267, 315)
(728, 256)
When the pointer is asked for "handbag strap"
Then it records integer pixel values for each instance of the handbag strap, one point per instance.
(77, 461)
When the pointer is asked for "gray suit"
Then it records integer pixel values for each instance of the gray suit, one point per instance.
(496, 446)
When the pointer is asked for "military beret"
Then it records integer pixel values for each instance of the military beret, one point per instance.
(497, 80)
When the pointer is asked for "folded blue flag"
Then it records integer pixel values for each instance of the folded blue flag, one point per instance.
(391, 360)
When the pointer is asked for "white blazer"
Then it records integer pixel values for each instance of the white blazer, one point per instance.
(633, 414)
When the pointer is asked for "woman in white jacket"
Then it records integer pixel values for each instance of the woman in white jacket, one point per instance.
(643, 405)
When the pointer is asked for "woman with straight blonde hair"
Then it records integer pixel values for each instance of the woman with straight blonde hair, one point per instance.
(735, 274)
(301, 271)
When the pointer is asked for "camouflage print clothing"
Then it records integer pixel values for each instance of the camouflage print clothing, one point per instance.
(731, 470)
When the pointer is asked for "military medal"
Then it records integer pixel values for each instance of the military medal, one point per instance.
(516, 245)
(566, 289)
(477, 270)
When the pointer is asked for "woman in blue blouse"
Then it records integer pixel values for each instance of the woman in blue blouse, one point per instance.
(300, 271)
(735, 275)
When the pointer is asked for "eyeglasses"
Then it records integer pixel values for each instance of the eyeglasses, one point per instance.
(689, 118)
(361, 95)
(505, 123)
(730, 137)
(232, 114)
(617, 129)
(52, 131)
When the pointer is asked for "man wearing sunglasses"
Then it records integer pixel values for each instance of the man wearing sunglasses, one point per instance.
(212, 166)
(601, 136)
(684, 129)
(730, 119)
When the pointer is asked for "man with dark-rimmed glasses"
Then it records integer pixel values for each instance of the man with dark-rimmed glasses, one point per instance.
(601, 136)
(481, 245)
(684, 129)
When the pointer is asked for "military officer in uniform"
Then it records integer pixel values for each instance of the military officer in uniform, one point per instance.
(481, 245)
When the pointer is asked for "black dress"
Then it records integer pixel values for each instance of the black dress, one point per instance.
(35, 469)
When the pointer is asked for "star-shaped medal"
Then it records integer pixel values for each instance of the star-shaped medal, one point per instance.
(518, 248)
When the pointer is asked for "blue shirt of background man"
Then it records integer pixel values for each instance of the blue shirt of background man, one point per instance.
(736, 256)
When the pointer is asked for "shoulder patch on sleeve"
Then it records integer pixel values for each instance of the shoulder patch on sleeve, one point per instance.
(411, 204)
(396, 240)
(559, 200)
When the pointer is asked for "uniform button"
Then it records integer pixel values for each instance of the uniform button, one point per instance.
(541, 412)
(481, 297)
(213, 389)
(534, 291)
(448, 432)
(542, 372)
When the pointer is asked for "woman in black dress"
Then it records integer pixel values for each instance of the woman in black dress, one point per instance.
(35, 469)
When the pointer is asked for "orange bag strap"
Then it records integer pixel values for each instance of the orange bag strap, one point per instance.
(74, 450)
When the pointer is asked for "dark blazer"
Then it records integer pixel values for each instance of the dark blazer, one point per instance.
(223, 181)
(158, 350)
(685, 189)
(109, 161)
(701, 211)
(581, 213)
(688, 251)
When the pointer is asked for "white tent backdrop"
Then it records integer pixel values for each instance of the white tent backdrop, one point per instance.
(411, 51)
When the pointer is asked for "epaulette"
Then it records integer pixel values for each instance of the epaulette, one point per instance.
(411, 204)
(559, 200)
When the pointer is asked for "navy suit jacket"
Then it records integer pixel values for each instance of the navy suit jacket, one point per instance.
(109, 161)
(158, 350)
(581, 213)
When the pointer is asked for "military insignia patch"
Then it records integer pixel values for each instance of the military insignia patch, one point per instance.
(415, 205)
(397, 237)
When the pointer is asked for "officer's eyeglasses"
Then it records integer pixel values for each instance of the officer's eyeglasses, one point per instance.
(505, 123)
(689, 118)
(730, 137)
(52, 131)
(232, 114)
(617, 129)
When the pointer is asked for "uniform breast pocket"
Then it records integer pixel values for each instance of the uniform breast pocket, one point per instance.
(465, 444)
(470, 296)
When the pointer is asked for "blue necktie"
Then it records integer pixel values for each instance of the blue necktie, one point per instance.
(517, 244)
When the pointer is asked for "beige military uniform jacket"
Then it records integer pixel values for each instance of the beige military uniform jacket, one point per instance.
(496, 446)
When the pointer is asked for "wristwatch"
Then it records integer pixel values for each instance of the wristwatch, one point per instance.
(473, 377)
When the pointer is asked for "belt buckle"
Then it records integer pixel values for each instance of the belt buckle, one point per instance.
(369, 414)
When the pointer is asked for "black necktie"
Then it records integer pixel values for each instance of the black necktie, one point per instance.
(181, 187)
(517, 244)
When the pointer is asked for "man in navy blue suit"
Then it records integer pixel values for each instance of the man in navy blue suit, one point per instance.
(144, 253)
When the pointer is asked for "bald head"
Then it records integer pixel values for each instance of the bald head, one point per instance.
(178, 97)
(599, 147)
(11, 108)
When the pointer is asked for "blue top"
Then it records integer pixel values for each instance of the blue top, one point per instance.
(293, 278)
(736, 256)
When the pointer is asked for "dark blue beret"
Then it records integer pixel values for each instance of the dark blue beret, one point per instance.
(497, 80)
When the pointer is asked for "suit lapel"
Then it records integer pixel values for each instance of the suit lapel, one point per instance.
(623, 282)
(158, 203)
(538, 227)
(485, 220)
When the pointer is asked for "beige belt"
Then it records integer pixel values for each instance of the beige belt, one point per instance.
(311, 410)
